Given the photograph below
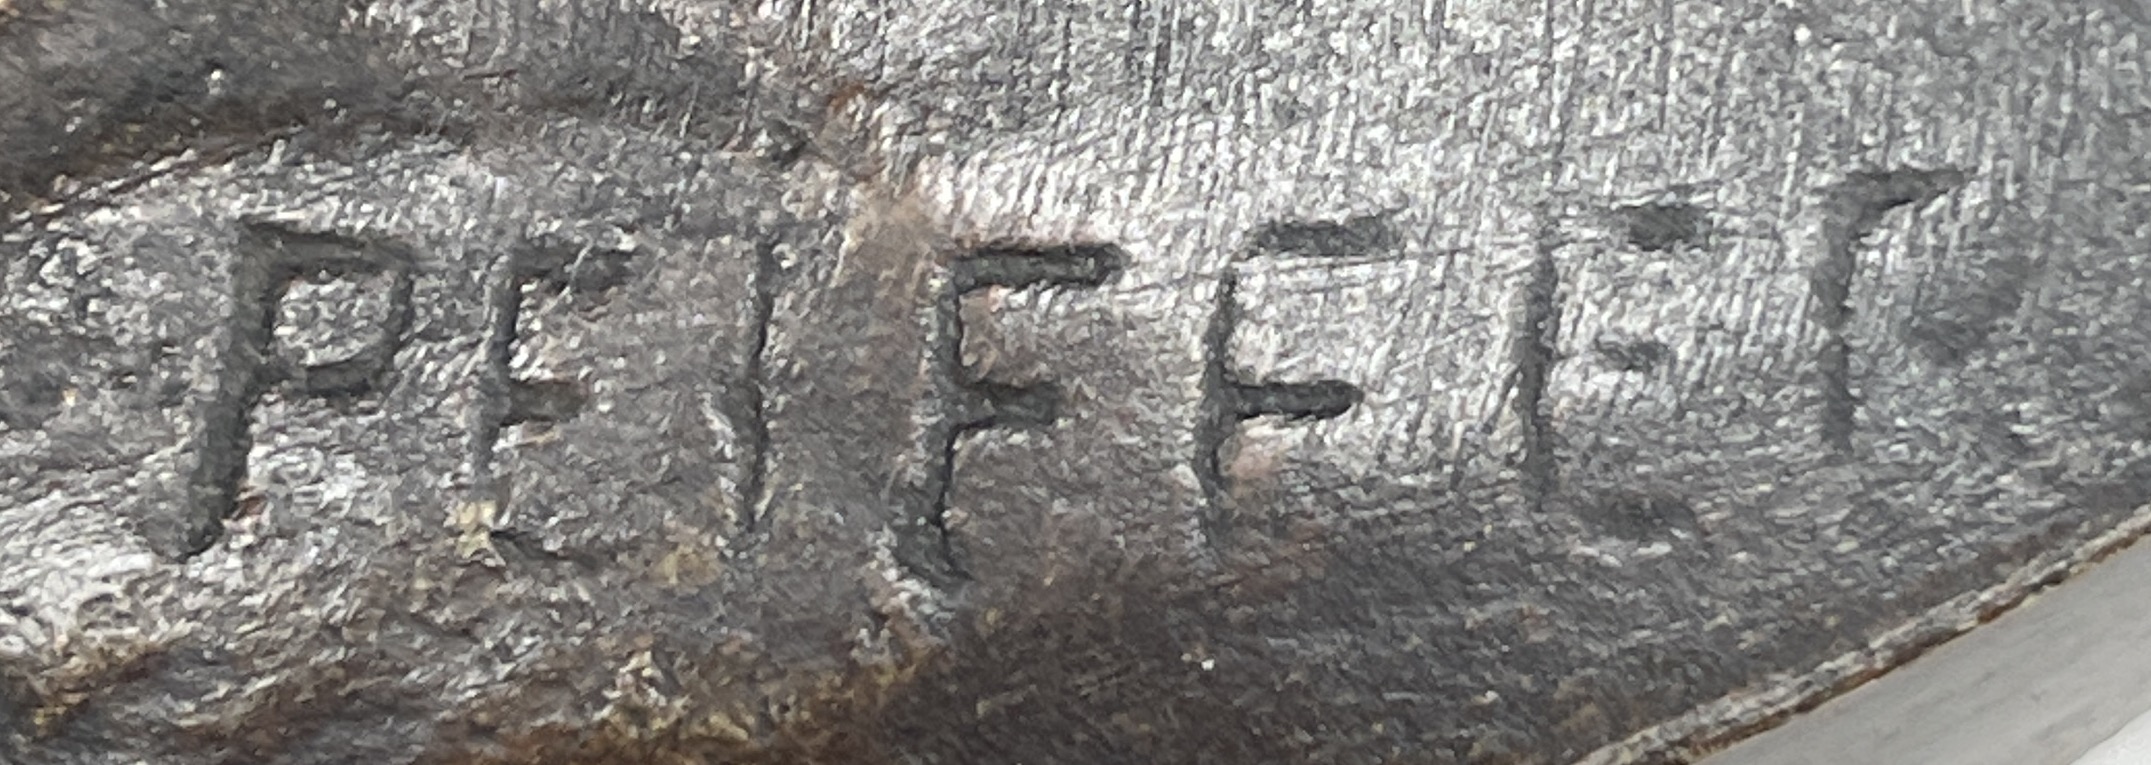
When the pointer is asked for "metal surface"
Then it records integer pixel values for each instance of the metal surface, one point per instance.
(2131, 744)
(2044, 683)
(939, 382)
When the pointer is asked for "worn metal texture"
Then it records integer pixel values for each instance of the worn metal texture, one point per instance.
(527, 381)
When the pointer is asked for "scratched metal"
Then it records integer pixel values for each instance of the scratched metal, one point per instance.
(527, 381)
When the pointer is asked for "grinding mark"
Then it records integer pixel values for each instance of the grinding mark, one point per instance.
(588, 276)
(211, 153)
(1568, 102)
(1533, 354)
(1156, 71)
(520, 545)
(933, 557)
(979, 407)
(221, 448)
(1663, 227)
(1220, 410)
(1318, 400)
(33, 389)
(1228, 402)
(1087, 266)
(973, 405)
(1533, 351)
(1131, 62)
(1063, 71)
(1661, 34)
(543, 401)
(1851, 211)
(1641, 356)
(1023, 46)
(504, 306)
(585, 277)
(998, 405)
(755, 388)
(298, 254)
(364, 373)
(1327, 239)
(268, 258)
